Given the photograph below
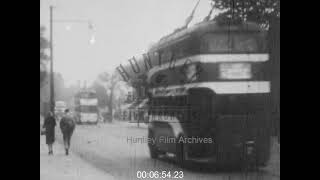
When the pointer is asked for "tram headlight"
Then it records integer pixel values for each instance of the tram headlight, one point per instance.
(235, 71)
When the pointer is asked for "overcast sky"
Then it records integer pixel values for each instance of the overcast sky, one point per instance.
(122, 29)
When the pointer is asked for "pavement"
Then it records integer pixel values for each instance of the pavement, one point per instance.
(61, 167)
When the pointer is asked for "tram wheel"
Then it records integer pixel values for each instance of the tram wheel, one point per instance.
(152, 148)
(181, 154)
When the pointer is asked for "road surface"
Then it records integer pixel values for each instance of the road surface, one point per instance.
(61, 167)
(107, 147)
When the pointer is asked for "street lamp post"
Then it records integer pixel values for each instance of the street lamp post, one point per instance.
(52, 101)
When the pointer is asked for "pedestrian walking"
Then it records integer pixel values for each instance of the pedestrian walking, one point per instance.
(49, 127)
(67, 126)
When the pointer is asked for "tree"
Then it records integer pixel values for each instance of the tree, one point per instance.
(259, 11)
(101, 93)
(44, 44)
(110, 82)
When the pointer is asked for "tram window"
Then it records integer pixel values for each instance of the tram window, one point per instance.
(170, 101)
(166, 54)
(175, 101)
(155, 102)
(245, 43)
(180, 101)
(183, 101)
(165, 102)
(185, 48)
(216, 43)
(180, 52)
(88, 109)
(232, 42)
(162, 101)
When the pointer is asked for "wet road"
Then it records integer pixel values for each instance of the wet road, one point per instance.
(108, 147)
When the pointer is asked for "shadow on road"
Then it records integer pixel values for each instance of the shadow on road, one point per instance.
(208, 167)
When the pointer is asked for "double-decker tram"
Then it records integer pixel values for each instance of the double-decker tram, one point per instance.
(212, 90)
(86, 107)
(208, 90)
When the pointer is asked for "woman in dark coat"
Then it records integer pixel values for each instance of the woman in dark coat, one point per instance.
(49, 126)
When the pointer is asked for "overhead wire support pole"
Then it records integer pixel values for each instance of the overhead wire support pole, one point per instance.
(90, 24)
(52, 101)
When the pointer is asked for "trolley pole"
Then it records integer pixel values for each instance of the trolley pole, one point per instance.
(52, 101)
(52, 94)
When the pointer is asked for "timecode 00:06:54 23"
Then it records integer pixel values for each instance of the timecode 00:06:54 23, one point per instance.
(160, 175)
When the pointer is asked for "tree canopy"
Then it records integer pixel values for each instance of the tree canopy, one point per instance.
(101, 93)
(262, 12)
(44, 44)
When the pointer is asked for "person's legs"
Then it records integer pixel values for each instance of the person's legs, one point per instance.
(49, 152)
(69, 138)
(66, 142)
(69, 141)
(50, 148)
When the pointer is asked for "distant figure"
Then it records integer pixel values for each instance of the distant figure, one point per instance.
(67, 126)
(49, 126)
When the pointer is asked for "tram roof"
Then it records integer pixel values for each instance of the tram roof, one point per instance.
(203, 27)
